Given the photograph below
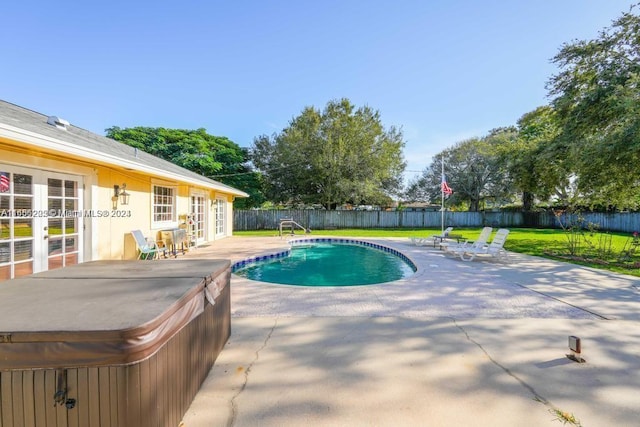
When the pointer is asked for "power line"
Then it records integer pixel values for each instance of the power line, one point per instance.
(250, 172)
(279, 168)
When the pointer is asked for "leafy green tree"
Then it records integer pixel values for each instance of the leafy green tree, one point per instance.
(342, 154)
(596, 96)
(533, 158)
(211, 156)
(418, 190)
(474, 169)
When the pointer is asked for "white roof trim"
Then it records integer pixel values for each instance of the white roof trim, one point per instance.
(54, 144)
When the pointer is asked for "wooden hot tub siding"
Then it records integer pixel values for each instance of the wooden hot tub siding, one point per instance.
(156, 391)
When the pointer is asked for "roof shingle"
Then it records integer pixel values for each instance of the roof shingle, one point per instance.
(28, 120)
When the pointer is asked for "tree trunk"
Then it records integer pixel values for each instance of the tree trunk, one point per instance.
(527, 201)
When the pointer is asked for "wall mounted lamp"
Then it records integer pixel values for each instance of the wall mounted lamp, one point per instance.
(120, 192)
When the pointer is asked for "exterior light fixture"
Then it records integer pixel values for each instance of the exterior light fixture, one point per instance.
(124, 196)
(120, 192)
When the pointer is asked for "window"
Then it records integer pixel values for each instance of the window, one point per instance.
(164, 203)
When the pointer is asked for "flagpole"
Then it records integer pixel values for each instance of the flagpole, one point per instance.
(442, 198)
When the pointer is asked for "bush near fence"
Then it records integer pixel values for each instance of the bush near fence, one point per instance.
(253, 220)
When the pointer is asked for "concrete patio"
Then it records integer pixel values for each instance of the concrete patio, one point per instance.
(477, 343)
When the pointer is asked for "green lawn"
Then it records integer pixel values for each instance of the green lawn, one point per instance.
(602, 252)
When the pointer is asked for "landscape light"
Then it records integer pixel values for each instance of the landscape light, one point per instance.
(575, 345)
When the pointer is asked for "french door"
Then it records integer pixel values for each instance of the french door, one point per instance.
(198, 221)
(41, 221)
(220, 217)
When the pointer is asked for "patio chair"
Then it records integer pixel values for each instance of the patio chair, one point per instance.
(147, 248)
(479, 243)
(495, 249)
(418, 241)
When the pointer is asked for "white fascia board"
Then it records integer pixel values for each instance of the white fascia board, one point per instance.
(54, 144)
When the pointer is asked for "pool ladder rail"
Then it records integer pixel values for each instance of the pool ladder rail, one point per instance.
(290, 223)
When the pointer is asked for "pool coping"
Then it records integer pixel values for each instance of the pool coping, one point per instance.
(333, 240)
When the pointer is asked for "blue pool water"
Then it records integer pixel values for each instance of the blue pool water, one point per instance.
(328, 263)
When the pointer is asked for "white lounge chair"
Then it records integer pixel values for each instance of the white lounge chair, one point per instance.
(479, 243)
(420, 241)
(495, 249)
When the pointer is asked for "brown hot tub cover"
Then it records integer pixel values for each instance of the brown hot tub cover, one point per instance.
(102, 313)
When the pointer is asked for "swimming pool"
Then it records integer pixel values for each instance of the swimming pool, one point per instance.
(328, 262)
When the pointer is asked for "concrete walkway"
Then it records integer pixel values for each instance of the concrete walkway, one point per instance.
(476, 343)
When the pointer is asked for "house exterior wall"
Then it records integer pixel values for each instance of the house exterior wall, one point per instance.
(105, 231)
(138, 214)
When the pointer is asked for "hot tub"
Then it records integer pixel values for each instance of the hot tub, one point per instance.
(110, 343)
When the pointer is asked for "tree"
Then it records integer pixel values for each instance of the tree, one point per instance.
(533, 158)
(418, 189)
(342, 154)
(596, 96)
(473, 169)
(211, 156)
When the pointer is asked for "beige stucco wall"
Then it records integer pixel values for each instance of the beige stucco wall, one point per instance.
(138, 214)
(107, 231)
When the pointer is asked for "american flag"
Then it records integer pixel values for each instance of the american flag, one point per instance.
(4, 182)
(445, 187)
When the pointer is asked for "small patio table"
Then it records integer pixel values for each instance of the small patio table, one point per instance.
(173, 237)
(439, 240)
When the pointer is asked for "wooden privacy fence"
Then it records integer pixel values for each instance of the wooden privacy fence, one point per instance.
(251, 220)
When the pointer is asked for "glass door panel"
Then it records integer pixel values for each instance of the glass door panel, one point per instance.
(5, 260)
(40, 227)
(198, 217)
(23, 227)
(71, 189)
(62, 223)
(70, 250)
(16, 224)
(5, 233)
(220, 207)
(23, 184)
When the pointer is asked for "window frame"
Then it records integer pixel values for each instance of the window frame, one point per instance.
(166, 222)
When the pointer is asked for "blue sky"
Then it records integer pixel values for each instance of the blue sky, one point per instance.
(443, 71)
